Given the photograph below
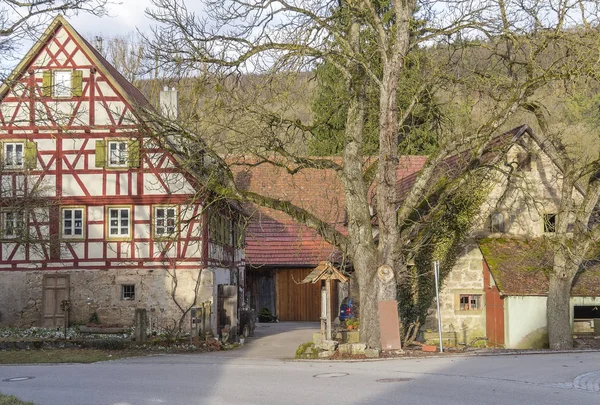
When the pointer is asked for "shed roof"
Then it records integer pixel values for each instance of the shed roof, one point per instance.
(520, 267)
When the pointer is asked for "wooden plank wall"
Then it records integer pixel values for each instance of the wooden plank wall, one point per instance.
(300, 302)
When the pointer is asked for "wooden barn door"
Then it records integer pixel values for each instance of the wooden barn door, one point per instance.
(300, 302)
(494, 310)
(56, 289)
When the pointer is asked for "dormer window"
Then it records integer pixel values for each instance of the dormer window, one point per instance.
(497, 222)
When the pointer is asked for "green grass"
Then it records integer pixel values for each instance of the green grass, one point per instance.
(70, 355)
(12, 400)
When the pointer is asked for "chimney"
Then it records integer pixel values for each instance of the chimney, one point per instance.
(98, 44)
(169, 103)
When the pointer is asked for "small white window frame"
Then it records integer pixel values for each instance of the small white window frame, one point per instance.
(60, 90)
(119, 218)
(11, 158)
(120, 156)
(161, 222)
(11, 219)
(69, 225)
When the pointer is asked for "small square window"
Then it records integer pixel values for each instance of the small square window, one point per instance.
(62, 83)
(72, 222)
(549, 222)
(128, 292)
(13, 155)
(117, 153)
(470, 302)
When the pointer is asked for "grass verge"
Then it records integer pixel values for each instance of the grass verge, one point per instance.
(69, 355)
(12, 400)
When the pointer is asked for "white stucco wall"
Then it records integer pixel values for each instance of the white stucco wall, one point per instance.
(525, 320)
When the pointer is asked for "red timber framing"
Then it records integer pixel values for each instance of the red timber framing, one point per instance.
(66, 173)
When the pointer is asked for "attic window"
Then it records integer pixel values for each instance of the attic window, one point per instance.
(497, 222)
(549, 223)
(62, 83)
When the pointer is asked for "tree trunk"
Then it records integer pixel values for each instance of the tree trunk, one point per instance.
(560, 335)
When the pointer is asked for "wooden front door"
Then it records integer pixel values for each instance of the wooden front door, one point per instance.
(301, 302)
(56, 289)
(494, 310)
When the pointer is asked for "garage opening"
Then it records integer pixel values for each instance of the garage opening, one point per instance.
(586, 320)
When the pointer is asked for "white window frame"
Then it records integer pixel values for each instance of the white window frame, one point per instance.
(120, 156)
(11, 219)
(72, 227)
(12, 159)
(62, 83)
(119, 218)
(162, 222)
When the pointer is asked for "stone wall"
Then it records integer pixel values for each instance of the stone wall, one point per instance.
(100, 291)
(466, 277)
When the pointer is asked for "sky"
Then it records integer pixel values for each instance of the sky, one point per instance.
(122, 19)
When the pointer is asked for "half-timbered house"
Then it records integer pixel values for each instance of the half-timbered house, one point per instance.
(92, 212)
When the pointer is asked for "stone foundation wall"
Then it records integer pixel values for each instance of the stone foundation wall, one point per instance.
(100, 291)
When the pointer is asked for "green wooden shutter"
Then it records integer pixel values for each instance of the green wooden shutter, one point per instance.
(100, 153)
(47, 83)
(133, 153)
(77, 83)
(30, 160)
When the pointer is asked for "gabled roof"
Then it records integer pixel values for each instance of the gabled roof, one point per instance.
(274, 238)
(520, 267)
(127, 90)
(456, 164)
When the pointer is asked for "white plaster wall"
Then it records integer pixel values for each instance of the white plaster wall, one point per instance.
(524, 322)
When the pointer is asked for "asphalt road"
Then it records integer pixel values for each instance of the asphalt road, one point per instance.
(218, 379)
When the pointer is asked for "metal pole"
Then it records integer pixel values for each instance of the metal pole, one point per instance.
(436, 271)
(328, 310)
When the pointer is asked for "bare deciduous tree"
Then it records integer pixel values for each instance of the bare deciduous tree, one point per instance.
(495, 52)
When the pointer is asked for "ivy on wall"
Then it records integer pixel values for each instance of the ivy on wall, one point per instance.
(442, 240)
